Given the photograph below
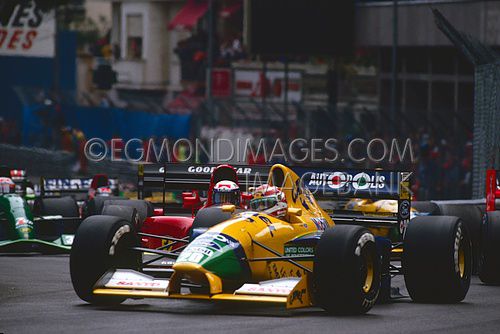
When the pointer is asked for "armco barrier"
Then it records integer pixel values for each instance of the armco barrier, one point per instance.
(47, 163)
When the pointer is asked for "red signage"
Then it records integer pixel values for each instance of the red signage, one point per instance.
(221, 82)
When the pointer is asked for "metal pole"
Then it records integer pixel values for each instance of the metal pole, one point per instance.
(263, 90)
(285, 102)
(394, 79)
(210, 60)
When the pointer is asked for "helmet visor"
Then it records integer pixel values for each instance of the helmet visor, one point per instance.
(263, 203)
(232, 197)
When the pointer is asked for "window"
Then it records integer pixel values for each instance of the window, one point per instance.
(134, 36)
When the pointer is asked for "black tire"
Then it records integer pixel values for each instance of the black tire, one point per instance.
(90, 254)
(489, 264)
(428, 207)
(208, 217)
(346, 257)
(437, 259)
(95, 205)
(144, 208)
(126, 212)
(472, 218)
(64, 206)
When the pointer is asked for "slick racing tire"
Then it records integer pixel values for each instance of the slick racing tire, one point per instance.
(427, 207)
(126, 212)
(489, 264)
(208, 217)
(347, 271)
(437, 259)
(101, 243)
(472, 217)
(95, 205)
(63, 206)
(144, 208)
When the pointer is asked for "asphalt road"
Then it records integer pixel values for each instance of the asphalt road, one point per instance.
(36, 296)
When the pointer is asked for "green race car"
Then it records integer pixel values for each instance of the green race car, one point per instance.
(50, 228)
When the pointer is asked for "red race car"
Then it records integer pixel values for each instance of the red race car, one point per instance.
(222, 184)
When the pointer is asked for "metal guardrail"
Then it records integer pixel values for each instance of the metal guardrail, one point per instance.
(50, 163)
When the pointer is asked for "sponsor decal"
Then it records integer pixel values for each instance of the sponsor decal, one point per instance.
(74, 184)
(297, 295)
(340, 180)
(404, 209)
(23, 223)
(26, 30)
(129, 279)
(206, 245)
(320, 223)
(298, 250)
(118, 234)
(365, 238)
(209, 169)
(67, 239)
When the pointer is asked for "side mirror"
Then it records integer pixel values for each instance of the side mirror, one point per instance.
(228, 208)
(294, 212)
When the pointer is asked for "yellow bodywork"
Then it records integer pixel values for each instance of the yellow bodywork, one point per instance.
(249, 228)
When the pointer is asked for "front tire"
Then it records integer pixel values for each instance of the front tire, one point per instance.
(437, 259)
(346, 270)
(101, 243)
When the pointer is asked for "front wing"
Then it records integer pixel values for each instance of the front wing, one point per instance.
(292, 292)
(61, 245)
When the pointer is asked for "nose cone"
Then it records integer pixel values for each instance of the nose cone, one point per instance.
(24, 228)
(214, 252)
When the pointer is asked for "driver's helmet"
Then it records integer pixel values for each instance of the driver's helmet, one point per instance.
(269, 199)
(103, 191)
(7, 186)
(226, 192)
(30, 193)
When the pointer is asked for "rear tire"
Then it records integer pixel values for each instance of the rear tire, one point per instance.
(63, 206)
(346, 270)
(144, 208)
(126, 212)
(489, 264)
(437, 259)
(428, 207)
(101, 243)
(208, 217)
(472, 217)
(95, 205)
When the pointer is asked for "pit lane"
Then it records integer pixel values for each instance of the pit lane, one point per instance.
(36, 296)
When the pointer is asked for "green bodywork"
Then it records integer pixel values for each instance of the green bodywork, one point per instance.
(18, 229)
(217, 253)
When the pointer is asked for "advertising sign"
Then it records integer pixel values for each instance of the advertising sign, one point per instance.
(26, 30)
(251, 83)
(221, 82)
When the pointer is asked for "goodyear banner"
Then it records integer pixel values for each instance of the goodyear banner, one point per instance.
(351, 183)
(26, 29)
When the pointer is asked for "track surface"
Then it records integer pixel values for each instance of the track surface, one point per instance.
(36, 296)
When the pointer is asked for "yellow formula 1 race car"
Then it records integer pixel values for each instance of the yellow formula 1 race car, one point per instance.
(304, 259)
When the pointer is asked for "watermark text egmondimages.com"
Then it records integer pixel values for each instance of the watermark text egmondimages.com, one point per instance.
(219, 150)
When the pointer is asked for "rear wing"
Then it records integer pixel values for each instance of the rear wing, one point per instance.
(184, 177)
(331, 187)
(492, 188)
(18, 176)
(53, 186)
